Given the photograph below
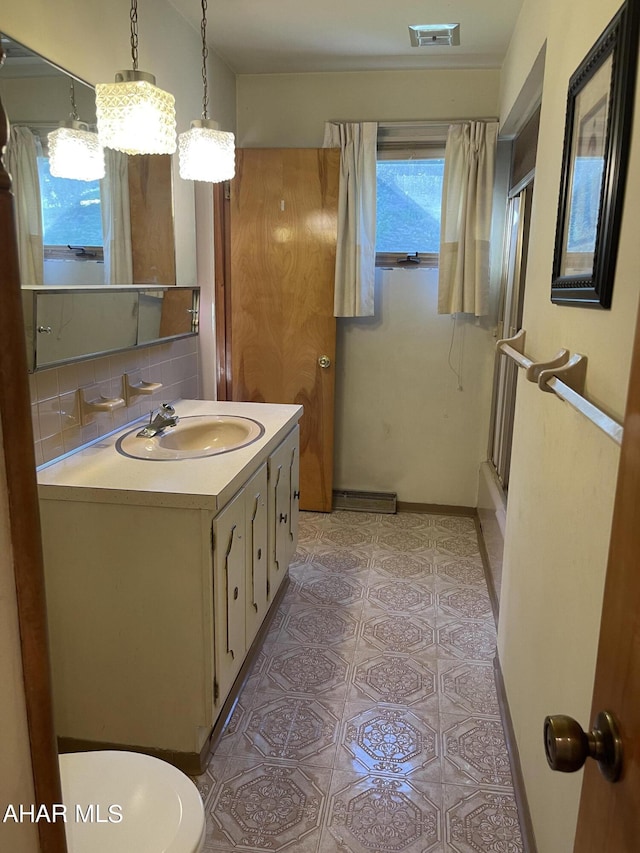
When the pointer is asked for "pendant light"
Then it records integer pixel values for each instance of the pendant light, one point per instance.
(134, 115)
(206, 153)
(74, 149)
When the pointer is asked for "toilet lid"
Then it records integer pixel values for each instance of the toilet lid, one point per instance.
(125, 801)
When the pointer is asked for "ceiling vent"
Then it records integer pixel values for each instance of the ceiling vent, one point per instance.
(435, 35)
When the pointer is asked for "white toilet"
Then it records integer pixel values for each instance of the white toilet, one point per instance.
(125, 801)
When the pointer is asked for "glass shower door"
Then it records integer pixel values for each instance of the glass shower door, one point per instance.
(512, 298)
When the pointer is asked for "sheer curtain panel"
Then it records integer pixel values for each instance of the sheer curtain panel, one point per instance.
(116, 219)
(356, 247)
(467, 193)
(22, 164)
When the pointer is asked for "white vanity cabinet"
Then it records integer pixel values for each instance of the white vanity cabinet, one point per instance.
(254, 540)
(155, 598)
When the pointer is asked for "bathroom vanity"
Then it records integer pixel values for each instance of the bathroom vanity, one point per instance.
(160, 574)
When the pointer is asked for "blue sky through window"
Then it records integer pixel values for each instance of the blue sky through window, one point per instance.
(71, 213)
(409, 198)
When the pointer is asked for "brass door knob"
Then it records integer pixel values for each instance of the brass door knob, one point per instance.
(324, 361)
(567, 746)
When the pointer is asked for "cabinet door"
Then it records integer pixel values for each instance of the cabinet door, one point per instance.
(255, 503)
(283, 466)
(294, 490)
(229, 593)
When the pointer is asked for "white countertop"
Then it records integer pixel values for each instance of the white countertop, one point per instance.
(97, 473)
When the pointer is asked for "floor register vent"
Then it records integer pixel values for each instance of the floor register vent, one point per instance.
(365, 501)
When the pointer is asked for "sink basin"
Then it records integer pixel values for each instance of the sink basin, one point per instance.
(193, 437)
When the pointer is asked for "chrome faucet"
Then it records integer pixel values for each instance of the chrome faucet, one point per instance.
(164, 417)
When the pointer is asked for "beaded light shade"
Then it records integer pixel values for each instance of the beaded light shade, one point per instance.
(75, 152)
(135, 116)
(206, 153)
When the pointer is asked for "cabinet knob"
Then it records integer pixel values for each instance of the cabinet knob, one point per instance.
(296, 496)
(235, 594)
(44, 330)
(283, 518)
(259, 553)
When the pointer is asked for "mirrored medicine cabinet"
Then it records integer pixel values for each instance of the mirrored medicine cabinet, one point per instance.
(74, 309)
(72, 323)
(127, 216)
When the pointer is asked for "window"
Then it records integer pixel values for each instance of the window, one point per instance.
(410, 170)
(71, 216)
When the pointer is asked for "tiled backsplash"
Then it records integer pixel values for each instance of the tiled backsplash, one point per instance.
(54, 402)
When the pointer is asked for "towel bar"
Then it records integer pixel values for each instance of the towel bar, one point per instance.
(514, 348)
(563, 376)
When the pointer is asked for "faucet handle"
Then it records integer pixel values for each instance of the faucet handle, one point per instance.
(165, 410)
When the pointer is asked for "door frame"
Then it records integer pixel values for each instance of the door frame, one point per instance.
(222, 289)
(503, 398)
(24, 522)
(608, 812)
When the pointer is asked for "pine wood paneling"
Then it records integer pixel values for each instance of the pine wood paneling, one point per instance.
(152, 238)
(176, 318)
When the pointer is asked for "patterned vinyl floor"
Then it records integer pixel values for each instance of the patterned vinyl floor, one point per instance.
(369, 723)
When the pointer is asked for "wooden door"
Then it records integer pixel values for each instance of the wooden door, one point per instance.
(609, 817)
(151, 208)
(283, 222)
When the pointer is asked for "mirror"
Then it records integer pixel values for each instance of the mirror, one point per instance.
(69, 324)
(120, 228)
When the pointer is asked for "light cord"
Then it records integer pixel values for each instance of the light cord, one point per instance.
(133, 15)
(456, 371)
(205, 54)
(74, 109)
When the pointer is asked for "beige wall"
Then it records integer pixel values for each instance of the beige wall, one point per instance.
(45, 99)
(222, 93)
(16, 783)
(401, 423)
(289, 110)
(564, 470)
(526, 43)
(91, 39)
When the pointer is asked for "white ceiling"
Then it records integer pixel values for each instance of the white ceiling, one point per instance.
(272, 36)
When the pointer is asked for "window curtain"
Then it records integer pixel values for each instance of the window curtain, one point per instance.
(116, 219)
(356, 247)
(467, 194)
(22, 165)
